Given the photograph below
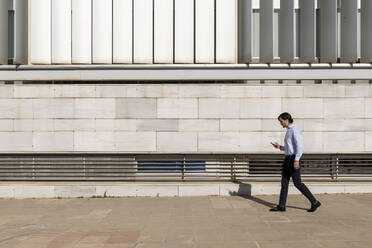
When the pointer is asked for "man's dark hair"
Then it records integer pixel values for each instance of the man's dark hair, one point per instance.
(286, 116)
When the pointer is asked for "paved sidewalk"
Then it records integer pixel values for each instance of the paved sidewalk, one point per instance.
(342, 221)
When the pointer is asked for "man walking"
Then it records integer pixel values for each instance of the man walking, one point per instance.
(293, 148)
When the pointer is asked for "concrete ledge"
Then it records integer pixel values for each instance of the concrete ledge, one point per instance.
(184, 72)
(99, 189)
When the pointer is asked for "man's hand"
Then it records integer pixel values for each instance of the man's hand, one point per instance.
(296, 165)
(276, 145)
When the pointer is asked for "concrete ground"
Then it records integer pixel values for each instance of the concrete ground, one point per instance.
(344, 220)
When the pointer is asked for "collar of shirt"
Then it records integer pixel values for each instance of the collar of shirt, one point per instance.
(290, 126)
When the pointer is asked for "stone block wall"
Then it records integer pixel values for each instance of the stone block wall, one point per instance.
(183, 118)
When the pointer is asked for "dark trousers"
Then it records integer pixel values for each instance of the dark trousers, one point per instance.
(288, 172)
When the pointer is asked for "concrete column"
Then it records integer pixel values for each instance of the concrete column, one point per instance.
(102, 32)
(143, 31)
(226, 31)
(20, 32)
(328, 30)
(307, 24)
(349, 30)
(366, 31)
(122, 31)
(286, 37)
(81, 31)
(184, 31)
(245, 31)
(266, 31)
(163, 31)
(40, 31)
(61, 31)
(4, 32)
(204, 31)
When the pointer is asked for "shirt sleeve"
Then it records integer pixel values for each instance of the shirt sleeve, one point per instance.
(298, 144)
(282, 148)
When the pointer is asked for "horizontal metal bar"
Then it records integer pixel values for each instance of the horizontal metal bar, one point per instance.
(218, 167)
(186, 73)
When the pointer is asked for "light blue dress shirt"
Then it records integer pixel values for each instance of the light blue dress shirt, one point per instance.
(293, 144)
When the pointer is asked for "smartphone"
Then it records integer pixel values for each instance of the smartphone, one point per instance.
(272, 143)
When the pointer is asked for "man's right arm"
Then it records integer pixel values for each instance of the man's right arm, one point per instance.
(282, 148)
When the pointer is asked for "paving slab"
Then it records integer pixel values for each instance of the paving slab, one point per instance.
(343, 220)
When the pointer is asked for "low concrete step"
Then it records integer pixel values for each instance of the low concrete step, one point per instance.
(118, 189)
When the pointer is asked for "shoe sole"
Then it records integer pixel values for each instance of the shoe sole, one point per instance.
(311, 211)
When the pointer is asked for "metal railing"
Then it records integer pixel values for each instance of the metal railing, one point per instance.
(170, 167)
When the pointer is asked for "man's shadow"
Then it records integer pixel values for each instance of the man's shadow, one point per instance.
(245, 191)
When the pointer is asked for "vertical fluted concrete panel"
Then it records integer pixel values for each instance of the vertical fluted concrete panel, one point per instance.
(40, 36)
(102, 31)
(184, 31)
(122, 31)
(287, 34)
(267, 31)
(81, 31)
(349, 30)
(11, 4)
(255, 33)
(204, 33)
(366, 31)
(245, 31)
(163, 31)
(20, 32)
(226, 31)
(307, 38)
(61, 31)
(3, 32)
(143, 31)
(328, 30)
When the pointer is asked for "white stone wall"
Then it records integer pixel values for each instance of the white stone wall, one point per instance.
(183, 118)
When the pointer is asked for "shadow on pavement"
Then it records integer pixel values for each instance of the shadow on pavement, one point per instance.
(245, 191)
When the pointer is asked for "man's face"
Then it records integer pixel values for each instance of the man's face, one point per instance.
(284, 123)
